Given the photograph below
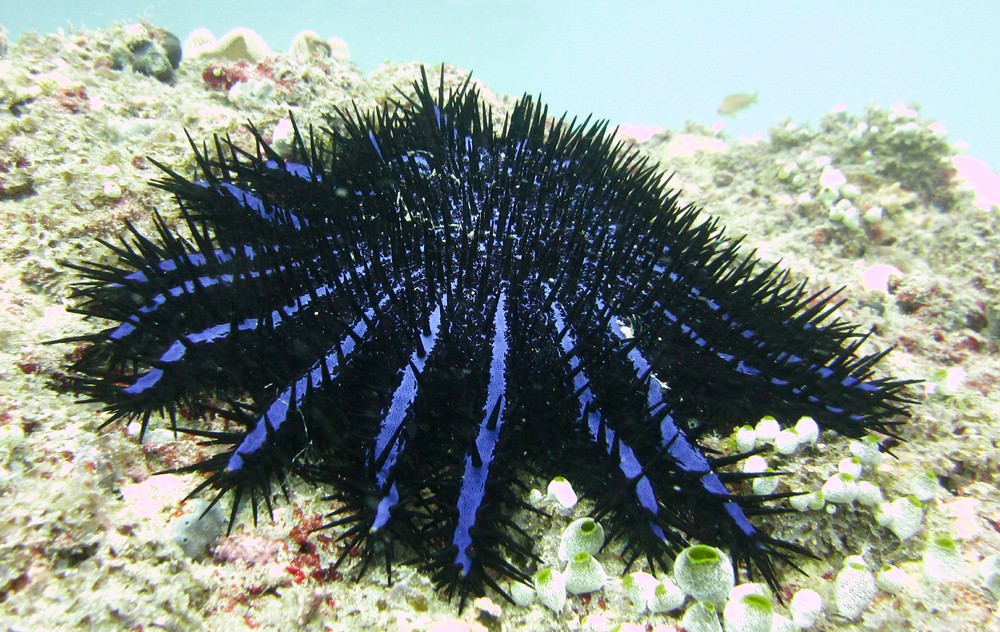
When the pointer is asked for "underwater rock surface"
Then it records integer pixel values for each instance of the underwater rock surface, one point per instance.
(86, 541)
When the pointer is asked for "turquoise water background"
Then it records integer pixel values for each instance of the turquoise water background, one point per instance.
(641, 62)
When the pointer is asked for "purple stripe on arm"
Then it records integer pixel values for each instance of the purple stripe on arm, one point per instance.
(643, 369)
(627, 461)
(390, 441)
(473, 490)
(742, 367)
(194, 259)
(378, 150)
(291, 397)
(682, 453)
(305, 172)
(187, 287)
(254, 203)
(221, 331)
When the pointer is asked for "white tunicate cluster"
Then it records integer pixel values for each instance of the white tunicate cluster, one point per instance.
(767, 429)
(755, 464)
(902, 516)
(701, 616)
(942, 560)
(550, 586)
(667, 597)
(805, 608)
(560, 491)
(650, 593)
(521, 594)
(850, 465)
(872, 215)
(765, 485)
(790, 171)
(836, 194)
(704, 573)
(111, 190)
(746, 438)
(804, 502)
(807, 429)
(891, 579)
(946, 382)
(787, 442)
(283, 137)
(152, 438)
(800, 502)
(832, 179)
(816, 500)
(581, 536)
(748, 609)
(584, 574)
(867, 451)
(840, 489)
(638, 587)
(844, 212)
(869, 494)
(845, 486)
(854, 587)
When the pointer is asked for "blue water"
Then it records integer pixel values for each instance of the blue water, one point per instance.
(641, 62)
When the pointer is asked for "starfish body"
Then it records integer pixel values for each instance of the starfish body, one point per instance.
(425, 309)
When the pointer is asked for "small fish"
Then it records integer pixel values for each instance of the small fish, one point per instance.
(736, 102)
